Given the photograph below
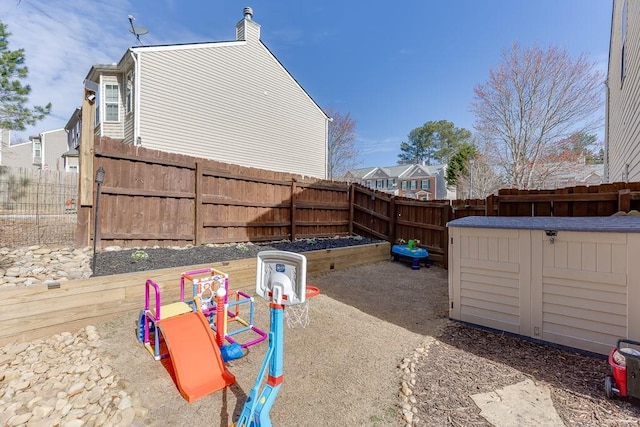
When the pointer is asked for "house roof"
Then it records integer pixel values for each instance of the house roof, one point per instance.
(397, 171)
(71, 153)
(75, 117)
(96, 69)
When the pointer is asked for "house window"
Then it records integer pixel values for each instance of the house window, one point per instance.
(425, 184)
(414, 185)
(73, 168)
(369, 183)
(129, 97)
(623, 32)
(404, 185)
(111, 103)
(380, 183)
(37, 150)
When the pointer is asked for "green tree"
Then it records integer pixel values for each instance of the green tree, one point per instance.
(458, 165)
(435, 140)
(14, 115)
(586, 145)
(581, 143)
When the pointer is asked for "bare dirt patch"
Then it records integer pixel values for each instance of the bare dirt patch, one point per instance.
(343, 368)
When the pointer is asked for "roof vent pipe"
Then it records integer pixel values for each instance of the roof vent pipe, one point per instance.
(248, 13)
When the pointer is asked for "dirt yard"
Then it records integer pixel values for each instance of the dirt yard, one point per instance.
(342, 369)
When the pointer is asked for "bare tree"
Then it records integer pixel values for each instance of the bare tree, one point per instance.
(343, 154)
(533, 101)
(478, 180)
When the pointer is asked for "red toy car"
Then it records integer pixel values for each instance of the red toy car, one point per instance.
(624, 360)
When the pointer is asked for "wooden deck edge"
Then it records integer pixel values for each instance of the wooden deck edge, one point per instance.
(81, 302)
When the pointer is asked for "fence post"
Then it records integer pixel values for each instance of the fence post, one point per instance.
(489, 205)
(392, 220)
(352, 190)
(293, 209)
(624, 200)
(198, 224)
(446, 215)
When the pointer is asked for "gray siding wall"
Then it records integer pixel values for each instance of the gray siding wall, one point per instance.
(129, 118)
(233, 103)
(5, 140)
(128, 127)
(623, 106)
(54, 145)
(20, 156)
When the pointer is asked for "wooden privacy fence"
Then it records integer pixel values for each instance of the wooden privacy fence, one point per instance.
(390, 218)
(386, 217)
(151, 198)
(600, 200)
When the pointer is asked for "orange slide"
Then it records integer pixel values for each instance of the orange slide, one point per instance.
(195, 356)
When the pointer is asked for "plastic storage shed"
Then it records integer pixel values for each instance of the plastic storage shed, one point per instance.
(569, 281)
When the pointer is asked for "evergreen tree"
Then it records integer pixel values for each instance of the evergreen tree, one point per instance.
(14, 115)
(433, 141)
(459, 162)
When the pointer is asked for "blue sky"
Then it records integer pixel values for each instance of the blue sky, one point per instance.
(391, 65)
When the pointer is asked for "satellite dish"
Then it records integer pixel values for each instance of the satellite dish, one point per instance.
(137, 30)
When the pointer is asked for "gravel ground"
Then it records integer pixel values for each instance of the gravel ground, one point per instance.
(344, 368)
(121, 261)
(341, 370)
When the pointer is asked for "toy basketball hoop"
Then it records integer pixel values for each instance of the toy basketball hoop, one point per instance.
(298, 315)
(281, 279)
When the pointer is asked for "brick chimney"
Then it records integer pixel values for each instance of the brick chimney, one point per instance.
(247, 29)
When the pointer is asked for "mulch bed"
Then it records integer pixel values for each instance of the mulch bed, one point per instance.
(121, 261)
(467, 360)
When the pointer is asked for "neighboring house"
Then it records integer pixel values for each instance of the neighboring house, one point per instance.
(43, 151)
(622, 132)
(5, 141)
(72, 128)
(579, 174)
(414, 181)
(229, 101)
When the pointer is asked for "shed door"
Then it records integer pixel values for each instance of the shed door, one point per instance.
(583, 298)
(489, 281)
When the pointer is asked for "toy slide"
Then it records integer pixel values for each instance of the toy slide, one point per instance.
(195, 356)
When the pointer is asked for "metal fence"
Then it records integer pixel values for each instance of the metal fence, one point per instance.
(37, 207)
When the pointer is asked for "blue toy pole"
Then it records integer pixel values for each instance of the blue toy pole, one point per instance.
(255, 412)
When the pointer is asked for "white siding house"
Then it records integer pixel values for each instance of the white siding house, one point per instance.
(73, 128)
(622, 139)
(229, 101)
(43, 151)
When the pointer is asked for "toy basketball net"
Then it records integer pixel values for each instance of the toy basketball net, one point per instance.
(281, 278)
(298, 315)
